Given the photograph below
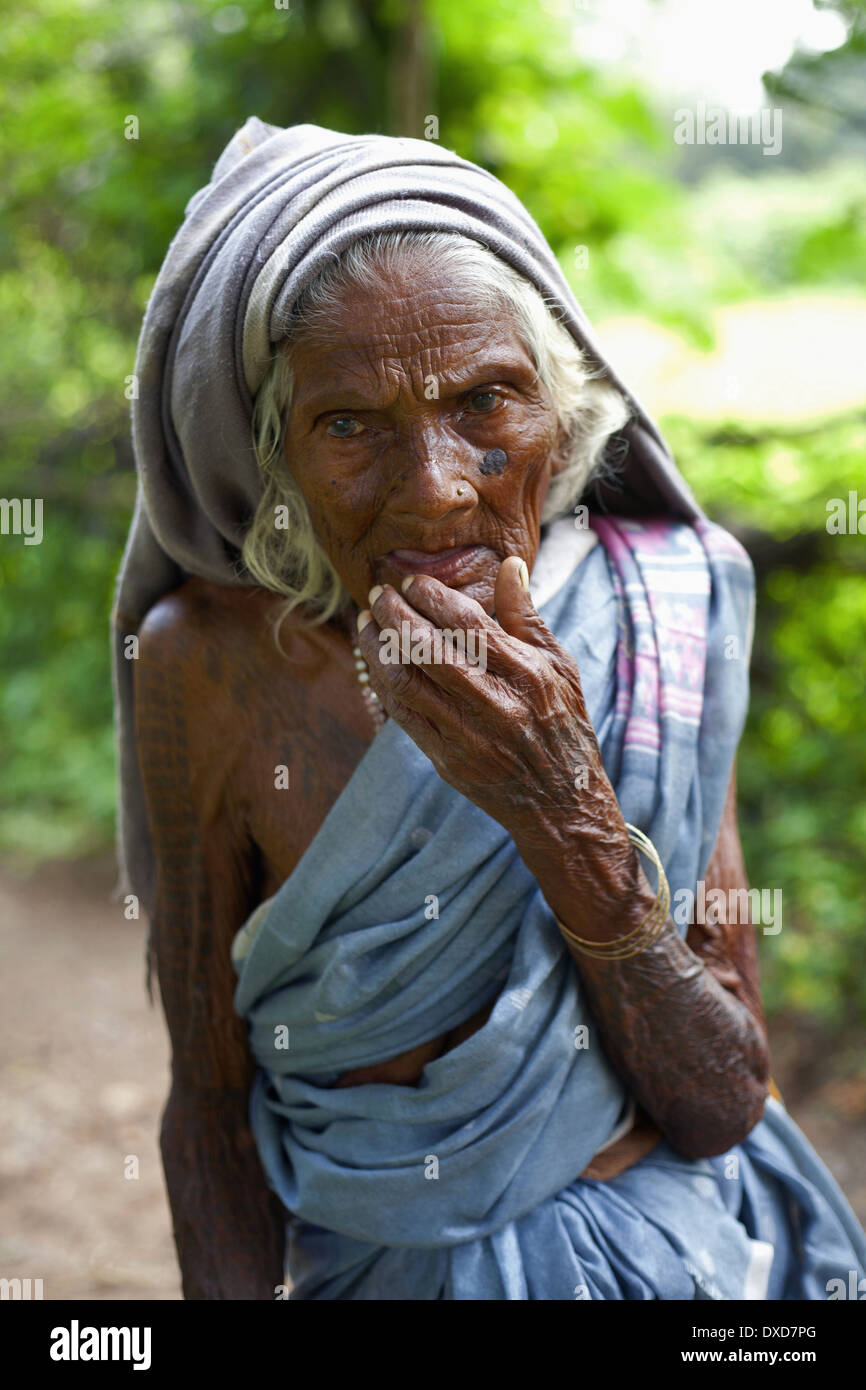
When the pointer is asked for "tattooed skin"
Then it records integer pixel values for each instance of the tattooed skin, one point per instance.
(494, 461)
(218, 709)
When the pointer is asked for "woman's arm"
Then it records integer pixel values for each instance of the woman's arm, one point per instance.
(228, 1226)
(682, 1022)
(509, 738)
(690, 1049)
(728, 951)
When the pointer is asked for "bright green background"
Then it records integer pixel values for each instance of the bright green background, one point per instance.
(86, 226)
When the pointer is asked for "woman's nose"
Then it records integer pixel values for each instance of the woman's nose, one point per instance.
(430, 479)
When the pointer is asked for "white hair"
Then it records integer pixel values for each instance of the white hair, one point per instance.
(290, 559)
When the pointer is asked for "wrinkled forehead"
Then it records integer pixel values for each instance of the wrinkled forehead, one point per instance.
(416, 326)
(401, 319)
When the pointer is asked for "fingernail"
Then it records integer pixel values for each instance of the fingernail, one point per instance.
(407, 583)
(364, 617)
(374, 593)
(523, 575)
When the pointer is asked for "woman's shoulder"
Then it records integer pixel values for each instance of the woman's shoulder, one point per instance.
(198, 611)
(201, 621)
(217, 653)
(223, 702)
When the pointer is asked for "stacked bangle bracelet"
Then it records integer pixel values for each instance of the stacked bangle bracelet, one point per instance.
(621, 947)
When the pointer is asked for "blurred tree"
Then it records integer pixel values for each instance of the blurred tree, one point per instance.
(831, 82)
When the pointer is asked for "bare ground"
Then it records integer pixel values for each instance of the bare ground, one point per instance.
(84, 1074)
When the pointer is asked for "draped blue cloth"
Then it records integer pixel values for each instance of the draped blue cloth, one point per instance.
(412, 909)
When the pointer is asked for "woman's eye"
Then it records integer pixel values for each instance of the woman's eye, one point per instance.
(483, 402)
(344, 427)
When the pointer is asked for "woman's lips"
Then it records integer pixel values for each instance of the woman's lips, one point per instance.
(444, 565)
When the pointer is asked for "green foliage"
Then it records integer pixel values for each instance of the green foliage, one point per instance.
(802, 759)
(830, 83)
(55, 697)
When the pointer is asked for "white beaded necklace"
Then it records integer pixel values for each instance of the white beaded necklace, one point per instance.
(371, 699)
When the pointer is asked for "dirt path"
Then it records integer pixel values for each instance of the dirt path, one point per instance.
(83, 1077)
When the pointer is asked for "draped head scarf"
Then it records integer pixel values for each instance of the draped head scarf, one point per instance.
(279, 205)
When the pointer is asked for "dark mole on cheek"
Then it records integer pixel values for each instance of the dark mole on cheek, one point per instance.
(494, 461)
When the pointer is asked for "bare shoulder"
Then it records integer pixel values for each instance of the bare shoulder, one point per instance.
(206, 660)
(211, 664)
(220, 645)
(221, 704)
(199, 618)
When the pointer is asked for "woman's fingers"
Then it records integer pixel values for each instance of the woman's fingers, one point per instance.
(517, 648)
(444, 606)
(428, 652)
(438, 647)
(515, 610)
(397, 680)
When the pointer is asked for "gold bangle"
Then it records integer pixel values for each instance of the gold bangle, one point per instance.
(641, 841)
(650, 929)
(627, 952)
(647, 931)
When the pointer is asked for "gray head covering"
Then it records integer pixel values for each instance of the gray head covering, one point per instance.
(279, 204)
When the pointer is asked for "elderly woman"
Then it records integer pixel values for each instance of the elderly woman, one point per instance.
(427, 752)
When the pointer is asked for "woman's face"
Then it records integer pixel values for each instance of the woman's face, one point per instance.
(420, 438)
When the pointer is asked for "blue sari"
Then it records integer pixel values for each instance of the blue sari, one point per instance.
(412, 909)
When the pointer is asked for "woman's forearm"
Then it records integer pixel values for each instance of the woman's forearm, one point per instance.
(513, 739)
(691, 1054)
(689, 1051)
(229, 1227)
